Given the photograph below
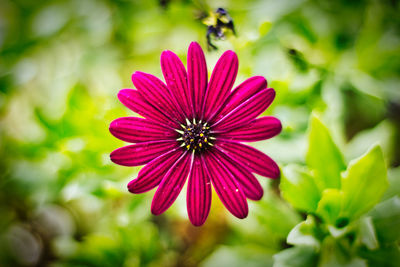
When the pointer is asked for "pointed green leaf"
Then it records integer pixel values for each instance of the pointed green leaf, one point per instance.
(367, 233)
(299, 189)
(364, 183)
(324, 156)
(305, 233)
(329, 206)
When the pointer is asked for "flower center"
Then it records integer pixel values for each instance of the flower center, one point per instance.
(195, 136)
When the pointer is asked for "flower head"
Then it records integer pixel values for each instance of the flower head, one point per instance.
(192, 129)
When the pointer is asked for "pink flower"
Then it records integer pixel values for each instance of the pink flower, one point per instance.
(193, 129)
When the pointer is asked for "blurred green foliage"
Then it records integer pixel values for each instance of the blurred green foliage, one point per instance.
(63, 203)
(338, 230)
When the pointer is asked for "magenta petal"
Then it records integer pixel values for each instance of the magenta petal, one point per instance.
(141, 153)
(136, 130)
(241, 93)
(171, 185)
(175, 76)
(134, 101)
(197, 76)
(247, 181)
(156, 93)
(198, 199)
(221, 82)
(151, 175)
(251, 158)
(226, 186)
(260, 129)
(246, 112)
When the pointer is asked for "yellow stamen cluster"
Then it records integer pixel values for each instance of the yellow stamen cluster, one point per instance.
(195, 136)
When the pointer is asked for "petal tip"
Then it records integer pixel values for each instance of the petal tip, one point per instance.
(198, 220)
(194, 44)
(271, 91)
(242, 215)
(134, 75)
(197, 223)
(276, 173)
(261, 80)
(130, 186)
(279, 126)
(154, 210)
(232, 55)
(124, 93)
(112, 127)
(166, 54)
(134, 188)
(138, 77)
(230, 52)
(112, 156)
(258, 195)
(195, 48)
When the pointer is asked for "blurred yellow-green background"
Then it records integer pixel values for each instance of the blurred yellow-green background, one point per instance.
(62, 63)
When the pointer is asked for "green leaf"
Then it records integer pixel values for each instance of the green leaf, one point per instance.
(335, 253)
(298, 256)
(394, 183)
(305, 233)
(364, 183)
(367, 233)
(324, 156)
(329, 206)
(387, 256)
(264, 28)
(386, 218)
(299, 189)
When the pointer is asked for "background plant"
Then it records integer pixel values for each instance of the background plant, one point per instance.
(62, 202)
(339, 228)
